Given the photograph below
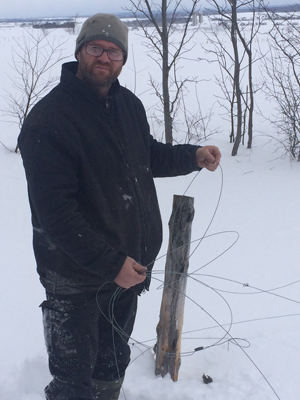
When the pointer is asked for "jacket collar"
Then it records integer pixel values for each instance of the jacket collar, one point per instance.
(74, 86)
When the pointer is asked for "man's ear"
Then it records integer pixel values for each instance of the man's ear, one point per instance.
(78, 54)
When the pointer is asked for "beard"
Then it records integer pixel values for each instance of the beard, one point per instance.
(98, 79)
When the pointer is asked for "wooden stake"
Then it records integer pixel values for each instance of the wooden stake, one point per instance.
(169, 328)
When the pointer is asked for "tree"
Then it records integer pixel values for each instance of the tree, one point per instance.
(234, 64)
(33, 59)
(281, 78)
(158, 25)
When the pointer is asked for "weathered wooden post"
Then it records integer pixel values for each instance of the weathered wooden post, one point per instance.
(169, 328)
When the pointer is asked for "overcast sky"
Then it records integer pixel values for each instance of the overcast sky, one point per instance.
(55, 8)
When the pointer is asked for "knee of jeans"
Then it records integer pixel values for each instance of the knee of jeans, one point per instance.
(58, 338)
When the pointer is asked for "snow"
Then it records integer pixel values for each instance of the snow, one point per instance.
(242, 300)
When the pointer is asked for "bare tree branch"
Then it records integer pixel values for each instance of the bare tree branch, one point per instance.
(158, 25)
(33, 58)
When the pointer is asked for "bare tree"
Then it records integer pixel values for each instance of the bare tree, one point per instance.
(33, 59)
(247, 43)
(281, 78)
(158, 24)
(235, 64)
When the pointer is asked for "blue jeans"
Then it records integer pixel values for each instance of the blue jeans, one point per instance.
(86, 338)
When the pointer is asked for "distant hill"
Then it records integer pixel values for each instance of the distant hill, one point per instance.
(128, 14)
(206, 11)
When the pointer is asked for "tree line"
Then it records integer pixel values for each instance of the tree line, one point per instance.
(279, 66)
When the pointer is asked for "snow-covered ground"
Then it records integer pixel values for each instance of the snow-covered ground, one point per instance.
(250, 291)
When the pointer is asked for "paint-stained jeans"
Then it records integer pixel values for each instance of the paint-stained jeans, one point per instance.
(86, 338)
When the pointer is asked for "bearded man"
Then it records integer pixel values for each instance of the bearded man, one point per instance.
(90, 161)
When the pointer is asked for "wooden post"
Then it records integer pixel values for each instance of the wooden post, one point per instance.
(169, 328)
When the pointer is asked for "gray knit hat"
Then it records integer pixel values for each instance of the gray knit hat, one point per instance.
(105, 27)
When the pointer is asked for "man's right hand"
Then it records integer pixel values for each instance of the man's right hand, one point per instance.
(131, 274)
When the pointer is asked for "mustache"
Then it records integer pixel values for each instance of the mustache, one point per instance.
(98, 62)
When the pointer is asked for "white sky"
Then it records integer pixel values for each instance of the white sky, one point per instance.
(55, 8)
(40, 8)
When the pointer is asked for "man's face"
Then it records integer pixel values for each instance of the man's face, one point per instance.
(98, 72)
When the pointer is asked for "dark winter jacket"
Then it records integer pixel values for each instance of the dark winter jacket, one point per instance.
(90, 163)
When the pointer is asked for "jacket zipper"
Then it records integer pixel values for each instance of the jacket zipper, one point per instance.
(137, 191)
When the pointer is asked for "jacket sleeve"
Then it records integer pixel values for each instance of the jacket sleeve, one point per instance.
(52, 174)
(167, 160)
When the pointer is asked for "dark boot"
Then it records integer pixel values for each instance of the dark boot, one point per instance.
(107, 390)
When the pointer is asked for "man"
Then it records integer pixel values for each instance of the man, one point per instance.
(90, 161)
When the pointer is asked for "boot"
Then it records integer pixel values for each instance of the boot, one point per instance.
(107, 390)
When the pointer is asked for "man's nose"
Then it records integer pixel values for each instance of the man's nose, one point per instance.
(104, 57)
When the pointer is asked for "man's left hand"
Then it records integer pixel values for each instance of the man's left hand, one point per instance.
(208, 157)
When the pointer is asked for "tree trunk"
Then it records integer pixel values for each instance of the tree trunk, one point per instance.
(251, 108)
(165, 76)
(236, 78)
(232, 135)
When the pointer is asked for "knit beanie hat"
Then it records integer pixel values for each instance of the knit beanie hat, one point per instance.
(104, 27)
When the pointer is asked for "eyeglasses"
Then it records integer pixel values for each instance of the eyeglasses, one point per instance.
(96, 51)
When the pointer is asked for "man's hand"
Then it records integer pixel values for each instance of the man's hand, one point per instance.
(131, 274)
(208, 157)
